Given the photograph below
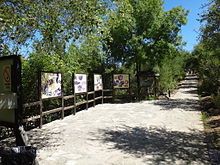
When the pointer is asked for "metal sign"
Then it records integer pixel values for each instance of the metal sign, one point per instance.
(10, 90)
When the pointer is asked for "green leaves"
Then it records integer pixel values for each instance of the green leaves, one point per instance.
(92, 35)
(171, 70)
(211, 27)
(56, 22)
(147, 34)
(142, 34)
(207, 51)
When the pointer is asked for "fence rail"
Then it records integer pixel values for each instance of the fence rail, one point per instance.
(63, 108)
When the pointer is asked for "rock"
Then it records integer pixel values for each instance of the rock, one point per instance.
(207, 103)
(213, 111)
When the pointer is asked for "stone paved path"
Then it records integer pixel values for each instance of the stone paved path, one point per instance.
(151, 132)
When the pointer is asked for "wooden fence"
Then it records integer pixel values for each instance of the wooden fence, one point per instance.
(105, 94)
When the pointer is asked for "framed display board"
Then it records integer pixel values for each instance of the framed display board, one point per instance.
(120, 81)
(98, 85)
(10, 90)
(146, 81)
(80, 83)
(51, 84)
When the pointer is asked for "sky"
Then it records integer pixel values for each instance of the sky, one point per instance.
(190, 31)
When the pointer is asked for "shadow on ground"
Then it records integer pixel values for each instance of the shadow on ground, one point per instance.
(163, 145)
(195, 91)
(186, 104)
(6, 143)
(41, 138)
(38, 138)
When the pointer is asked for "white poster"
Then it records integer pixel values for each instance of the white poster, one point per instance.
(50, 85)
(98, 82)
(80, 83)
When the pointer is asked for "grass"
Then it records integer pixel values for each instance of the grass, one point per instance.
(151, 97)
(204, 116)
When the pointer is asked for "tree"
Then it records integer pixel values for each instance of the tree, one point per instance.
(142, 33)
(210, 30)
(48, 25)
(207, 51)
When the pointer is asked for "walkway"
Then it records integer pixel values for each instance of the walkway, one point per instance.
(151, 132)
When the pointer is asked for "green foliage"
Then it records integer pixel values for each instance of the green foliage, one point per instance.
(204, 117)
(166, 76)
(171, 71)
(32, 66)
(96, 36)
(84, 59)
(91, 37)
(49, 25)
(143, 35)
(206, 55)
(211, 25)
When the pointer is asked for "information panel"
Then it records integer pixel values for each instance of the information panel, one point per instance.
(80, 83)
(10, 83)
(120, 81)
(98, 82)
(50, 85)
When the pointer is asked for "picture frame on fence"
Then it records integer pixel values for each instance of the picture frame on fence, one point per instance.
(120, 81)
(80, 83)
(98, 82)
(51, 85)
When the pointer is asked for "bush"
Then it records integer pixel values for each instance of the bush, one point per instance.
(171, 72)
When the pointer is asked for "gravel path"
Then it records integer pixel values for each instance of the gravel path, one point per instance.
(151, 132)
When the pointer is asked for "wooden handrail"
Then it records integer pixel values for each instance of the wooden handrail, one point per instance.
(63, 107)
(26, 105)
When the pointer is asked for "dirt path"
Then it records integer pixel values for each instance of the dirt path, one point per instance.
(150, 132)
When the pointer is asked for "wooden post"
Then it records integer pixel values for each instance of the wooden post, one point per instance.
(138, 69)
(40, 99)
(62, 112)
(102, 96)
(17, 88)
(87, 98)
(155, 87)
(74, 104)
(94, 98)
(74, 101)
(41, 113)
(130, 96)
(62, 99)
(113, 89)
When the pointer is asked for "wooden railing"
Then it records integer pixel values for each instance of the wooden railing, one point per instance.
(105, 94)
